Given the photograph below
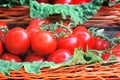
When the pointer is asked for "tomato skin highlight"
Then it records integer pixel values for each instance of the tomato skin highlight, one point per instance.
(17, 41)
(43, 43)
(33, 57)
(10, 57)
(63, 2)
(59, 56)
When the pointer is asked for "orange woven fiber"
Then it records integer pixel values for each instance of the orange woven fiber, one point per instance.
(18, 15)
(106, 16)
(97, 71)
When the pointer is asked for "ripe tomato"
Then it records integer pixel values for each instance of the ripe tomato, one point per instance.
(17, 41)
(63, 2)
(43, 1)
(117, 55)
(85, 36)
(38, 21)
(101, 44)
(3, 31)
(89, 1)
(80, 1)
(33, 29)
(43, 43)
(33, 57)
(3, 24)
(1, 47)
(10, 57)
(117, 35)
(60, 55)
(70, 43)
(112, 0)
(116, 48)
(105, 56)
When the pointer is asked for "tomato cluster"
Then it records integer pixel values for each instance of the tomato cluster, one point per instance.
(34, 44)
(64, 1)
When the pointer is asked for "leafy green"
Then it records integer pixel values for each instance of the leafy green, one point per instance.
(81, 57)
(11, 3)
(6, 66)
(77, 13)
(36, 66)
(112, 3)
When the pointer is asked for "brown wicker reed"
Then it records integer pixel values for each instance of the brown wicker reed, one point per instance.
(106, 16)
(97, 71)
(17, 16)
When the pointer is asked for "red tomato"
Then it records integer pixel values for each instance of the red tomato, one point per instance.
(116, 48)
(60, 55)
(80, 1)
(112, 0)
(43, 1)
(3, 31)
(105, 56)
(1, 47)
(89, 1)
(3, 24)
(63, 1)
(70, 43)
(39, 22)
(80, 28)
(33, 29)
(101, 44)
(11, 57)
(117, 54)
(85, 36)
(117, 35)
(33, 57)
(43, 43)
(17, 41)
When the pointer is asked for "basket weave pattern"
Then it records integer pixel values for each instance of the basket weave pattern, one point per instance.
(106, 16)
(96, 71)
(17, 15)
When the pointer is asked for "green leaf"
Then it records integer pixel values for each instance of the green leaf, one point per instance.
(77, 58)
(11, 3)
(15, 66)
(93, 58)
(81, 57)
(77, 13)
(111, 58)
(112, 3)
(35, 67)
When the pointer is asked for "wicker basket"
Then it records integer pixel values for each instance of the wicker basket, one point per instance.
(98, 71)
(106, 16)
(19, 16)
